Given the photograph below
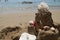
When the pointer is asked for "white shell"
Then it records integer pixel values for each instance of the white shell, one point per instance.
(52, 28)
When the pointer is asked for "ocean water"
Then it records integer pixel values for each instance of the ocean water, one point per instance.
(13, 6)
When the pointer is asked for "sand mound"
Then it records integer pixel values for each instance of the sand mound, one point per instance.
(10, 33)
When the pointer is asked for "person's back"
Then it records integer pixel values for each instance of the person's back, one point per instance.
(46, 17)
(43, 17)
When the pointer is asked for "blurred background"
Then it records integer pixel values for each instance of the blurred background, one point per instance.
(8, 6)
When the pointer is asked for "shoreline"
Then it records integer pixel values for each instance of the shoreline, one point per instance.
(24, 10)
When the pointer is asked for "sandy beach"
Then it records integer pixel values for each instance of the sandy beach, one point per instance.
(56, 16)
(20, 19)
(15, 19)
(12, 20)
(14, 16)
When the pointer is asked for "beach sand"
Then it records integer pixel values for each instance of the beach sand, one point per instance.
(21, 20)
(56, 16)
(15, 19)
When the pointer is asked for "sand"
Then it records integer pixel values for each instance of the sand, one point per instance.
(56, 16)
(15, 19)
(21, 20)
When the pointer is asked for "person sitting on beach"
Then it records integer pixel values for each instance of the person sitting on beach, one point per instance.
(32, 23)
(43, 17)
(31, 27)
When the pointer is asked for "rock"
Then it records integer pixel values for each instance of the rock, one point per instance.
(8, 32)
(31, 30)
(25, 2)
(48, 35)
(10, 29)
(16, 38)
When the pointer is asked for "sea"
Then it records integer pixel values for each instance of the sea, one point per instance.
(16, 6)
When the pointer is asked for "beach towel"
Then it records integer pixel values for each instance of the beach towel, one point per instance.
(27, 36)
